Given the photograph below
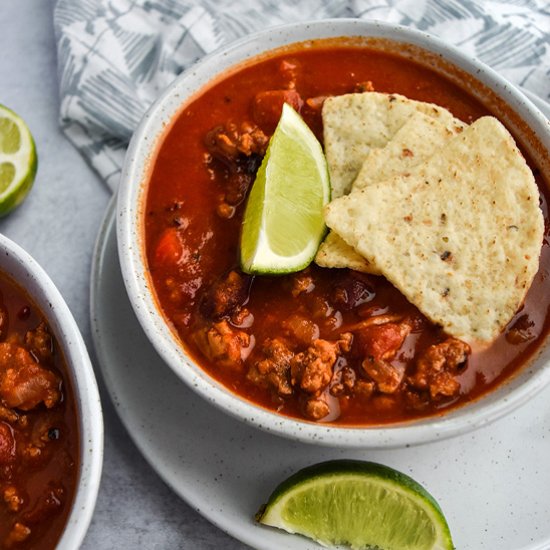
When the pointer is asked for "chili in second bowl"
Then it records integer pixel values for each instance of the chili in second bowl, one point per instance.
(39, 440)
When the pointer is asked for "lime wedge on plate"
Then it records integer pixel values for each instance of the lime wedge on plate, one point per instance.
(283, 221)
(360, 504)
(18, 160)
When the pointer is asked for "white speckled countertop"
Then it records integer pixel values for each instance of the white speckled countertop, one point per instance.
(58, 224)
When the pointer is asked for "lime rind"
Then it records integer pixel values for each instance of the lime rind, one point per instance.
(20, 163)
(359, 504)
(269, 244)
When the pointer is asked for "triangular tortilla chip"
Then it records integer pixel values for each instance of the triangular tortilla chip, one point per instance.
(353, 124)
(412, 144)
(334, 252)
(460, 235)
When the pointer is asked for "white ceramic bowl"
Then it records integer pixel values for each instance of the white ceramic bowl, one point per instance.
(28, 274)
(130, 217)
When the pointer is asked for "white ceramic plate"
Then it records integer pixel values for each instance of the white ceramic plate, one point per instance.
(492, 484)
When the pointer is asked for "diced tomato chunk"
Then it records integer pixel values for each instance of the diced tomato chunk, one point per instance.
(169, 249)
(268, 106)
(382, 341)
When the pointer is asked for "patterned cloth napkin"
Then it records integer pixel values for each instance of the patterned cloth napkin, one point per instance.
(116, 56)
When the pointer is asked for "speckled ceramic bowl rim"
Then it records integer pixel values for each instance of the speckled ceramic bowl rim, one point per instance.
(130, 213)
(28, 274)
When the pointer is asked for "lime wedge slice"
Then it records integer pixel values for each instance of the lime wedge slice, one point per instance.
(283, 221)
(18, 161)
(359, 504)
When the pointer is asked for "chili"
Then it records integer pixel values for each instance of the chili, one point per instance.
(38, 431)
(326, 345)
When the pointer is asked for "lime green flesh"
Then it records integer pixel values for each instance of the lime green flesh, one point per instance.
(10, 136)
(365, 506)
(18, 160)
(283, 221)
(7, 173)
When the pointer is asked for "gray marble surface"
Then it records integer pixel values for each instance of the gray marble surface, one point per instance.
(58, 224)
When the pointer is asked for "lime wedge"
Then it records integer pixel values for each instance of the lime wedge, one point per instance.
(360, 504)
(283, 221)
(18, 161)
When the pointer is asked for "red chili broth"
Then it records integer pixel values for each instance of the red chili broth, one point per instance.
(179, 174)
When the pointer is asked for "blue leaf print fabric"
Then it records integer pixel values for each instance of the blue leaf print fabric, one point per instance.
(116, 56)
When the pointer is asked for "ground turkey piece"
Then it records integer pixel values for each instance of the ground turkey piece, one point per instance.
(437, 366)
(302, 282)
(317, 408)
(223, 345)
(311, 370)
(229, 142)
(240, 149)
(24, 383)
(13, 498)
(274, 370)
(39, 342)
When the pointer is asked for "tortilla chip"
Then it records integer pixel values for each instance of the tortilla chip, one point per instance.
(353, 124)
(412, 144)
(466, 259)
(335, 252)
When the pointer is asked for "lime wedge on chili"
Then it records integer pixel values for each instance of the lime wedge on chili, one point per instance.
(360, 504)
(18, 161)
(283, 221)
